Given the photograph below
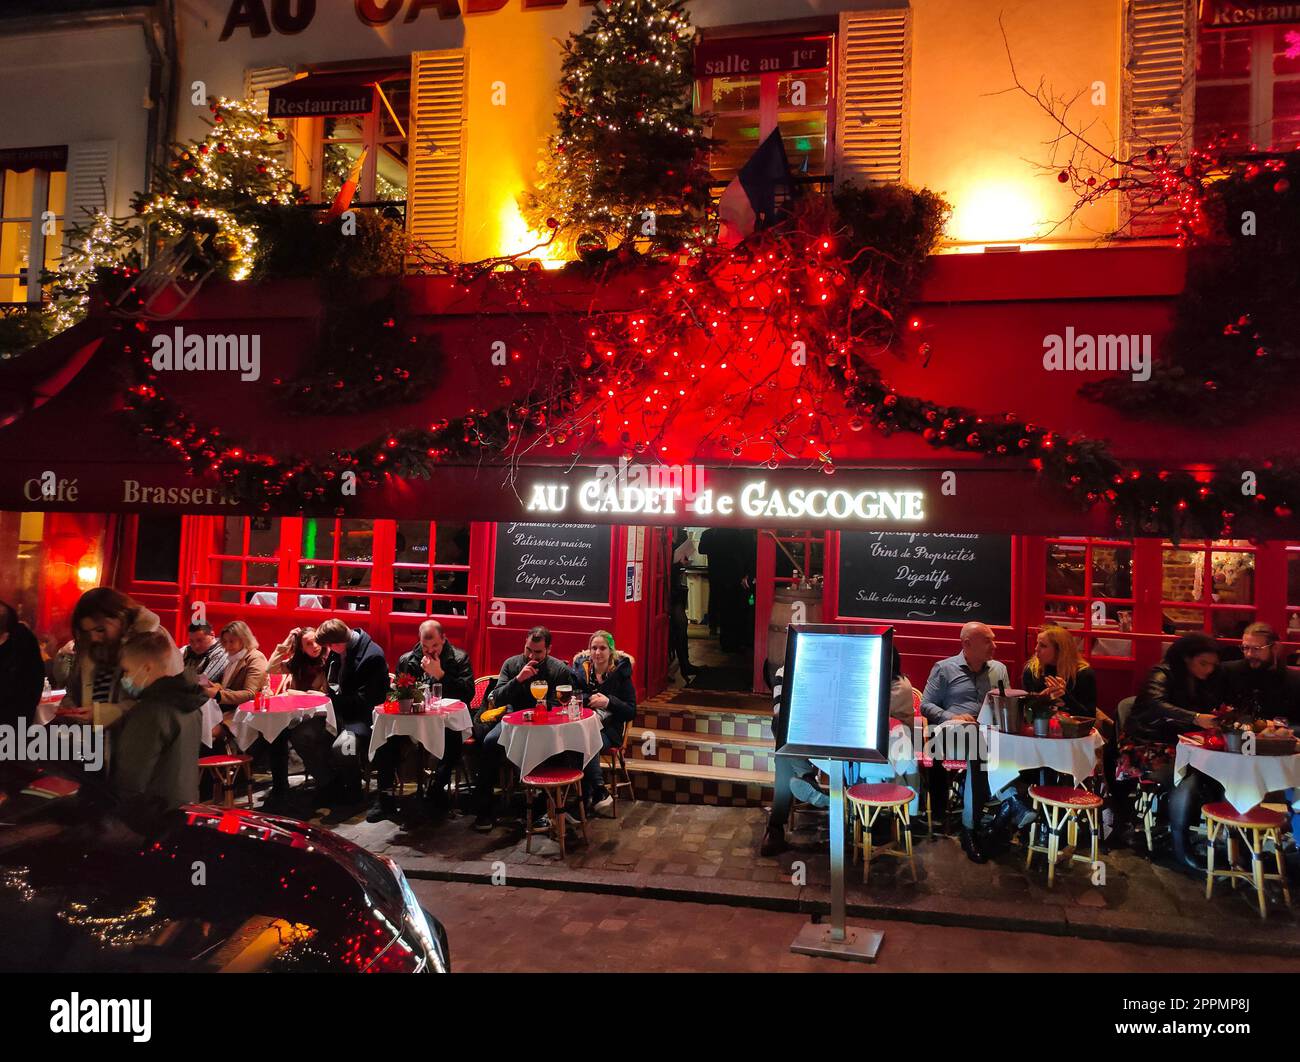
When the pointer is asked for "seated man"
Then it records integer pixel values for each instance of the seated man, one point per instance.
(357, 682)
(953, 693)
(205, 655)
(434, 659)
(510, 694)
(156, 767)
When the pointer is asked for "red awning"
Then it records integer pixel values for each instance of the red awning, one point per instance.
(326, 95)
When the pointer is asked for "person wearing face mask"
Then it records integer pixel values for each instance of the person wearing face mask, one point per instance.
(155, 768)
(1180, 695)
(604, 675)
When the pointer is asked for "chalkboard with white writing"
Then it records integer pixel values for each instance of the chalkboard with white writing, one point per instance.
(902, 575)
(553, 562)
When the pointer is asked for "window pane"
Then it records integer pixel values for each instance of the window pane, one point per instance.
(357, 541)
(1222, 113)
(398, 94)
(1286, 50)
(1064, 614)
(1286, 115)
(231, 575)
(739, 134)
(264, 536)
(317, 539)
(350, 579)
(58, 195)
(1183, 620)
(412, 542)
(1229, 626)
(1112, 571)
(232, 538)
(804, 133)
(1184, 571)
(1223, 55)
(17, 202)
(736, 93)
(345, 127)
(1293, 576)
(807, 88)
(338, 162)
(390, 171)
(263, 574)
(453, 544)
(158, 548)
(1065, 569)
(1234, 578)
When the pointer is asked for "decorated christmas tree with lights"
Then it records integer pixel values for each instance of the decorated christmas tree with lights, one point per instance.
(226, 186)
(627, 164)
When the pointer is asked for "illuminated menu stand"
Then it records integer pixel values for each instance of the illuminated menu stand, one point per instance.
(858, 657)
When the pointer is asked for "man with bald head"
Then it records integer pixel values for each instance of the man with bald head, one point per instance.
(953, 694)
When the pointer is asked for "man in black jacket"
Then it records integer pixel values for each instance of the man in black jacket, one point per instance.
(1261, 683)
(357, 680)
(511, 694)
(22, 672)
(434, 659)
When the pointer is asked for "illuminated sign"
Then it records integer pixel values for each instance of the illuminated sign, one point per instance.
(634, 491)
(260, 17)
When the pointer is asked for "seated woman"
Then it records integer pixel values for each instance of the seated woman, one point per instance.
(604, 674)
(1179, 696)
(1057, 668)
(303, 659)
(244, 676)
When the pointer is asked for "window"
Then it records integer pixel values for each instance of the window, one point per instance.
(248, 558)
(437, 578)
(1292, 633)
(794, 94)
(382, 132)
(1208, 586)
(1248, 87)
(25, 196)
(157, 549)
(337, 555)
(1089, 589)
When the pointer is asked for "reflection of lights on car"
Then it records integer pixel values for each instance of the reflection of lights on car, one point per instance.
(120, 930)
(16, 879)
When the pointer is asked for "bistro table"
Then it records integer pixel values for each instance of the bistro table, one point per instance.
(1246, 780)
(428, 728)
(280, 713)
(530, 743)
(1009, 754)
(211, 718)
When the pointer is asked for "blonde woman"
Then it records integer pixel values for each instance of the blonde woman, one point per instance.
(604, 676)
(1057, 669)
(244, 676)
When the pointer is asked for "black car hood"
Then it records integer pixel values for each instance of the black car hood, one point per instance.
(211, 889)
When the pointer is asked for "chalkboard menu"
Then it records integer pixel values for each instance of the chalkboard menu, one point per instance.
(545, 562)
(906, 576)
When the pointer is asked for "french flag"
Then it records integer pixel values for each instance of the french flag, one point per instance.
(750, 200)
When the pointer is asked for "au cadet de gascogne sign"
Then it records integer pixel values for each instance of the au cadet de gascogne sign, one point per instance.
(260, 17)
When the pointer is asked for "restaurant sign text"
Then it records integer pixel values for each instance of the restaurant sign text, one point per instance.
(260, 17)
(1235, 14)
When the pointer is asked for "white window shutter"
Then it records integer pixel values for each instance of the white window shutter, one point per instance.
(436, 178)
(873, 61)
(258, 82)
(1159, 94)
(92, 180)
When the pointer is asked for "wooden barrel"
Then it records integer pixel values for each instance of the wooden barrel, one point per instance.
(787, 605)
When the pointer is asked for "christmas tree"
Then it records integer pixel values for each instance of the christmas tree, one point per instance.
(227, 185)
(628, 160)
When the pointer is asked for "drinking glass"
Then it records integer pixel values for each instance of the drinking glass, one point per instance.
(538, 689)
(435, 693)
(563, 693)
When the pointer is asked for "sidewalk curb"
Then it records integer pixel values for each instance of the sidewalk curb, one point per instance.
(816, 901)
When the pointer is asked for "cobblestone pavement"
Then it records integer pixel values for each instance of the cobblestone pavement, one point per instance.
(506, 929)
(689, 852)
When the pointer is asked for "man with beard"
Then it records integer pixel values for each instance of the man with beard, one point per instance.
(1261, 683)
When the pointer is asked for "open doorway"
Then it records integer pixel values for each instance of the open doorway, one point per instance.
(711, 640)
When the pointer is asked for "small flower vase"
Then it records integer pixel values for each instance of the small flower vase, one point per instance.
(405, 706)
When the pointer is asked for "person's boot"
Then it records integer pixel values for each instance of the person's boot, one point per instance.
(774, 842)
(971, 845)
(384, 807)
(1181, 808)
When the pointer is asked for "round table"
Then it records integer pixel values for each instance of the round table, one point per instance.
(282, 712)
(1009, 754)
(528, 744)
(1246, 780)
(211, 718)
(428, 728)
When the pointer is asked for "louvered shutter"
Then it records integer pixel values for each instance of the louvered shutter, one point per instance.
(1159, 86)
(92, 180)
(258, 82)
(873, 60)
(437, 150)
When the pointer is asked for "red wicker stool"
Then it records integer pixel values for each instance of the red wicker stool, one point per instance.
(226, 771)
(557, 783)
(1061, 806)
(866, 801)
(1254, 827)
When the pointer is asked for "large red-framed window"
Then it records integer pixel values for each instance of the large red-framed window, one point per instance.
(1248, 87)
(431, 565)
(1088, 588)
(1208, 586)
(246, 558)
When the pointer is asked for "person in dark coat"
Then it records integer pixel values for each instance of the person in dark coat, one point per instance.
(1261, 684)
(357, 682)
(510, 694)
(22, 671)
(1056, 665)
(434, 659)
(604, 676)
(1180, 695)
(155, 762)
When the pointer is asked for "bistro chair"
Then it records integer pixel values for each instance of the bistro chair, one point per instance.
(1260, 824)
(1061, 806)
(956, 772)
(225, 771)
(558, 784)
(617, 765)
(802, 807)
(867, 800)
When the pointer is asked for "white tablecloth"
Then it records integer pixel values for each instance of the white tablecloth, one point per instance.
(211, 717)
(428, 728)
(1245, 779)
(529, 744)
(286, 710)
(1009, 754)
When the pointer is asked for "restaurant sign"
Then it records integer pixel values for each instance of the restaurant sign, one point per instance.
(260, 17)
(1238, 14)
(732, 56)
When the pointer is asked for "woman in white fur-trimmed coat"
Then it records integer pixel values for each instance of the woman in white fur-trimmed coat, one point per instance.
(604, 675)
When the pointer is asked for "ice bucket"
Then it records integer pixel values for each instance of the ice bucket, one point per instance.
(1006, 709)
